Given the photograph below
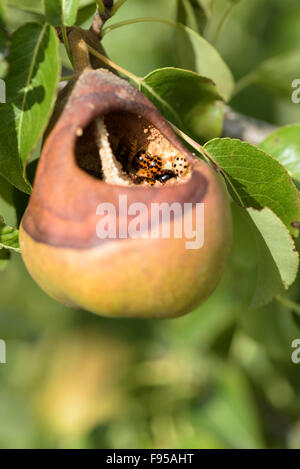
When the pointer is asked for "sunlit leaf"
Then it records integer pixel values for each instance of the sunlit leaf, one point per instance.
(61, 11)
(187, 99)
(278, 259)
(284, 145)
(258, 179)
(30, 94)
(9, 236)
(206, 61)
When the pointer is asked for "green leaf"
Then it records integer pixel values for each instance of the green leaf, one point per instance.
(9, 237)
(186, 14)
(284, 145)
(206, 5)
(4, 258)
(277, 258)
(34, 71)
(258, 179)
(230, 412)
(206, 61)
(3, 67)
(7, 202)
(192, 14)
(30, 6)
(3, 42)
(276, 73)
(185, 98)
(61, 11)
(85, 13)
(54, 12)
(3, 32)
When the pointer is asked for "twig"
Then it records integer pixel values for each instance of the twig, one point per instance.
(79, 51)
(66, 42)
(222, 22)
(245, 128)
(103, 13)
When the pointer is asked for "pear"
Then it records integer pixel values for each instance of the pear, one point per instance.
(97, 235)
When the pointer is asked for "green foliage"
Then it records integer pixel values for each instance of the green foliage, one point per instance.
(30, 92)
(222, 376)
(3, 42)
(4, 258)
(184, 97)
(206, 61)
(231, 412)
(260, 182)
(61, 11)
(193, 14)
(9, 237)
(278, 259)
(277, 73)
(258, 179)
(206, 5)
(284, 145)
(85, 13)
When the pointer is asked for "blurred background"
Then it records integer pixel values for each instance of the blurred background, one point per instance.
(221, 377)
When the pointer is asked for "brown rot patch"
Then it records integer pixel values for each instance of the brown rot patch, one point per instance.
(124, 148)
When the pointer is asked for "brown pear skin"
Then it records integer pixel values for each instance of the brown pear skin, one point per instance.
(142, 277)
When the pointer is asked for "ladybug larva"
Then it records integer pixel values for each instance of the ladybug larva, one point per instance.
(180, 165)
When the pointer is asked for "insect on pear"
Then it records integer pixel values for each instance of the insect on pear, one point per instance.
(180, 165)
(147, 169)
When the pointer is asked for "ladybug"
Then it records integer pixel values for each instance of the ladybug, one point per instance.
(146, 169)
(165, 175)
(149, 181)
(142, 177)
(180, 165)
(145, 166)
(162, 176)
(142, 161)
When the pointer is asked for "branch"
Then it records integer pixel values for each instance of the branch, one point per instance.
(245, 128)
(79, 51)
(101, 16)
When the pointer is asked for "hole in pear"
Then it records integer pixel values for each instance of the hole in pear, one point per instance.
(124, 148)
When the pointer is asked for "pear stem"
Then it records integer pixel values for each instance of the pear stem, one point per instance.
(79, 51)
